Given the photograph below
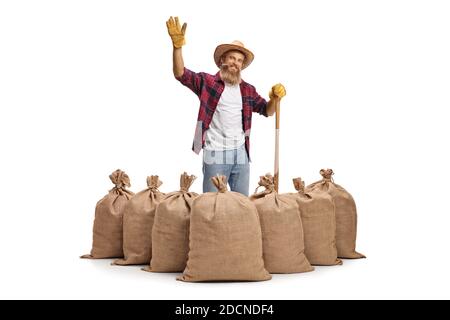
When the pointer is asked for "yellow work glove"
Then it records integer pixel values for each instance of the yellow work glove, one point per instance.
(278, 91)
(176, 32)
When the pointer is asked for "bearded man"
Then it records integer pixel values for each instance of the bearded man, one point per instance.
(226, 106)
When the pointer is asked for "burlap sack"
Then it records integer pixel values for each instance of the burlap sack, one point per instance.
(107, 235)
(319, 225)
(138, 223)
(346, 218)
(282, 230)
(225, 238)
(170, 236)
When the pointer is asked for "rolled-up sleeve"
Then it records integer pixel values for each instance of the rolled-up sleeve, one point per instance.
(192, 80)
(260, 105)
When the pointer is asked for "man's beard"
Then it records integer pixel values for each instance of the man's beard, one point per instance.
(231, 77)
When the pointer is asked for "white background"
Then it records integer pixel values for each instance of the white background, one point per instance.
(86, 87)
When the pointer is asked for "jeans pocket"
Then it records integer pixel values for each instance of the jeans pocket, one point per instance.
(241, 156)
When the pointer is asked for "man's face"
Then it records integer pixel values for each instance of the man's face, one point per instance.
(234, 60)
(231, 69)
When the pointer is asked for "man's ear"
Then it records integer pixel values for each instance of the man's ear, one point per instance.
(223, 58)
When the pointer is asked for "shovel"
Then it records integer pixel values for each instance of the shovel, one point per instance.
(277, 146)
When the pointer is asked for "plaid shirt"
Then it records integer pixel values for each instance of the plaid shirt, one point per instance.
(209, 88)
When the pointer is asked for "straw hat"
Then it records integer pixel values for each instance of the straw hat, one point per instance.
(235, 45)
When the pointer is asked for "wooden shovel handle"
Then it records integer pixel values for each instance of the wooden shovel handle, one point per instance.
(277, 146)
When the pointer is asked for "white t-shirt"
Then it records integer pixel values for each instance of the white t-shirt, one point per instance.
(225, 131)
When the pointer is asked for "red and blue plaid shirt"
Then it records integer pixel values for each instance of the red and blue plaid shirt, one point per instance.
(209, 88)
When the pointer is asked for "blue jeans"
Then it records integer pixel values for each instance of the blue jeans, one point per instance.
(233, 164)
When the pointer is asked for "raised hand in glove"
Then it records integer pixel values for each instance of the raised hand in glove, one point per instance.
(176, 32)
(278, 91)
